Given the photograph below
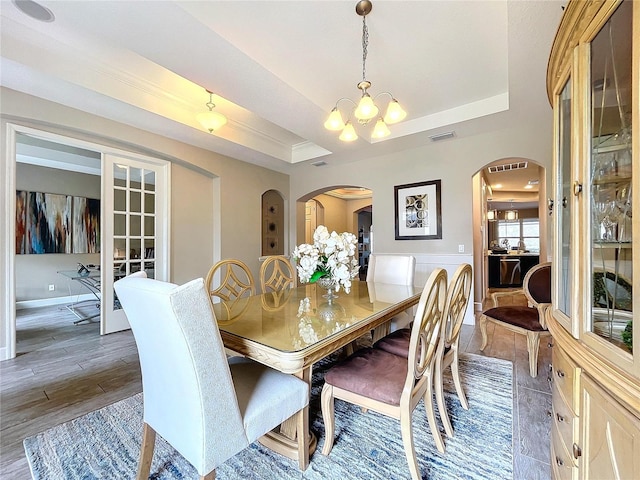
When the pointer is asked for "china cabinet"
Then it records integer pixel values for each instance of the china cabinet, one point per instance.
(593, 86)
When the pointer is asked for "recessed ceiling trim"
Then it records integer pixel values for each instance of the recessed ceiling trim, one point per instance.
(488, 106)
(306, 151)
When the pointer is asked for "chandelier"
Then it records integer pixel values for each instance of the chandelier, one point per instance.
(365, 110)
(211, 120)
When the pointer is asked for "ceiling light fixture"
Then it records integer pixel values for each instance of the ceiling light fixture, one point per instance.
(366, 109)
(211, 120)
(511, 214)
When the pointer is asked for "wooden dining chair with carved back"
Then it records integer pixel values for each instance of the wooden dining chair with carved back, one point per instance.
(236, 280)
(389, 384)
(457, 301)
(276, 273)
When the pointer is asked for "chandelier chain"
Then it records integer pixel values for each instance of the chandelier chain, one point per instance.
(365, 43)
(210, 103)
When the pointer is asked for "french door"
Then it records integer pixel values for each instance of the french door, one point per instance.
(136, 227)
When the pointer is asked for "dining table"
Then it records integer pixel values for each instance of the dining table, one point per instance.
(291, 329)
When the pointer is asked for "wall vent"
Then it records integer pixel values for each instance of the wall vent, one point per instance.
(442, 136)
(507, 167)
(319, 163)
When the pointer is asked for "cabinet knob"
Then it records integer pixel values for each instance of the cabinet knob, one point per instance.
(560, 373)
(559, 462)
(577, 451)
(560, 418)
(550, 205)
(577, 188)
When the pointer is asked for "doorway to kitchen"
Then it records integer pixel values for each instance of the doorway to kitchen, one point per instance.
(510, 223)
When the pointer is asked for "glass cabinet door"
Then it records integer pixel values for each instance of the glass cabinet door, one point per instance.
(562, 204)
(610, 199)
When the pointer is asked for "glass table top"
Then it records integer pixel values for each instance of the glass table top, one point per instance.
(291, 320)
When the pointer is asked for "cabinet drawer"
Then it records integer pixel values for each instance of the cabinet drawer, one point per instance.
(562, 466)
(564, 421)
(565, 379)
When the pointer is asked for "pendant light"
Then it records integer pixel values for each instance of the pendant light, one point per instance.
(210, 119)
(366, 109)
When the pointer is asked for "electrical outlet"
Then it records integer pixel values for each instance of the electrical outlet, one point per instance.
(460, 248)
(52, 287)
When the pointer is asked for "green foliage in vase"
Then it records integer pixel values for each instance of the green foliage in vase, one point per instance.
(627, 335)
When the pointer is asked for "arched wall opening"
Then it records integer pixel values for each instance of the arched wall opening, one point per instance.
(337, 205)
(501, 186)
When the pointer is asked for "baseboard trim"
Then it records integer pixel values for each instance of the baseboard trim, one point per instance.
(46, 302)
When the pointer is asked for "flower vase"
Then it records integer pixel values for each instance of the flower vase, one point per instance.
(329, 285)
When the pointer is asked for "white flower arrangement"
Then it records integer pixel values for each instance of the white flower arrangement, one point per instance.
(332, 255)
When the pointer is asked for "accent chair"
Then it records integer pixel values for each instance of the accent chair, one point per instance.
(526, 320)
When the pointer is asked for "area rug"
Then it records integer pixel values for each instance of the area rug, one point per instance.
(105, 444)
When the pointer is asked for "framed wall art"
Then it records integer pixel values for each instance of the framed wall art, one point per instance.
(418, 211)
(56, 223)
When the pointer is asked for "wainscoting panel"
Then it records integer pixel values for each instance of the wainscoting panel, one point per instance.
(425, 264)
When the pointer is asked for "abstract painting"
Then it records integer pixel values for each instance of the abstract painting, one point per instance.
(55, 223)
(21, 221)
(418, 211)
(86, 225)
(48, 223)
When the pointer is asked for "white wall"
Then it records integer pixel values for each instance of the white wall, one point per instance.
(454, 162)
(225, 223)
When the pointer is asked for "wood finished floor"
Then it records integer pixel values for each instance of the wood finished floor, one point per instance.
(63, 371)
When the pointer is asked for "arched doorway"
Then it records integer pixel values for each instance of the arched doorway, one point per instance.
(510, 216)
(335, 207)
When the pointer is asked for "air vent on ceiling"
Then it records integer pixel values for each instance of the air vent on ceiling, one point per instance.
(442, 136)
(319, 163)
(507, 167)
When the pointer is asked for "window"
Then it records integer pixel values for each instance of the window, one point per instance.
(525, 230)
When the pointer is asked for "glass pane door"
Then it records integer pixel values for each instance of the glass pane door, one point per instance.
(135, 228)
(611, 180)
(563, 197)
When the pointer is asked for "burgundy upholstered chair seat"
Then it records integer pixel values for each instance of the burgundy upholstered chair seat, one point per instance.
(523, 320)
(375, 373)
(520, 316)
(396, 342)
(389, 384)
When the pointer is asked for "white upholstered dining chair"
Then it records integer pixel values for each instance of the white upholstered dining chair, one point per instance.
(390, 384)
(394, 270)
(207, 407)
